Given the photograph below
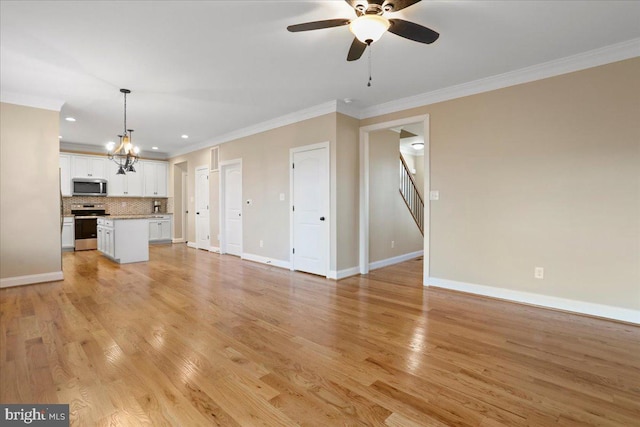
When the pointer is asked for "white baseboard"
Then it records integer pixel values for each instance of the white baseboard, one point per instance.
(192, 245)
(394, 260)
(582, 307)
(341, 274)
(178, 240)
(214, 249)
(265, 260)
(31, 279)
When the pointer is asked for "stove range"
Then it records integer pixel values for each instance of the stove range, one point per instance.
(86, 224)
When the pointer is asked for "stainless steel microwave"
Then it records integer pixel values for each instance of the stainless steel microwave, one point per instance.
(89, 187)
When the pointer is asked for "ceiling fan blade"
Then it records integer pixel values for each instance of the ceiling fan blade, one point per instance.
(356, 50)
(317, 25)
(412, 31)
(396, 5)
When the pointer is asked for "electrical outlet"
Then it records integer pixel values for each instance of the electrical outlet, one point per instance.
(393, 244)
(434, 195)
(261, 243)
(538, 273)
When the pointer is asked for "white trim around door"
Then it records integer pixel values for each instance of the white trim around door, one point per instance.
(364, 189)
(327, 217)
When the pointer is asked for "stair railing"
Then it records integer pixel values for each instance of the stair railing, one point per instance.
(411, 196)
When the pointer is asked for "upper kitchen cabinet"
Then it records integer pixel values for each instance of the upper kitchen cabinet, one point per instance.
(129, 185)
(88, 167)
(65, 175)
(155, 178)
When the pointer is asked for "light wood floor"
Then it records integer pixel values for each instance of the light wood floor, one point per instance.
(193, 338)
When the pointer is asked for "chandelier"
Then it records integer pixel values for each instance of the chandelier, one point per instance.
(125, 155)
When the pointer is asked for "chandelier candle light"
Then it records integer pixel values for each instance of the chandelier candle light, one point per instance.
(125, 155)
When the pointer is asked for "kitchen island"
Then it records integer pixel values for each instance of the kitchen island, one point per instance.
(124, 239)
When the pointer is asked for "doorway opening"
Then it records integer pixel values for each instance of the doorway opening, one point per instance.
(419, 125)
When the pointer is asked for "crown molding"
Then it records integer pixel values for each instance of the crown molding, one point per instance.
(593, 58)
(348, 109)
(298, 116)
(31, 101)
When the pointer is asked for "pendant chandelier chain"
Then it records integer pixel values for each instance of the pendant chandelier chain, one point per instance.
(125, 114)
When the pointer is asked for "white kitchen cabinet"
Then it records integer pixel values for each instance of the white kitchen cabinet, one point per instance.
(160, 229)
(100, 237)
(106, 237)
(124, 240)
(155, 178)
(129, 185)
(89, 167)
(65, 174)
(68, 234)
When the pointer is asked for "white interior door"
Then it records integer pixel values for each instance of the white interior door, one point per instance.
(310, 210)
(232, 208)
(202, 207)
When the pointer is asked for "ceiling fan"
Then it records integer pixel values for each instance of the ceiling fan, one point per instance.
(371, 24)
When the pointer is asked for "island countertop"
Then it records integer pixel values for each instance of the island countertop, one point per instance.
(138, 216)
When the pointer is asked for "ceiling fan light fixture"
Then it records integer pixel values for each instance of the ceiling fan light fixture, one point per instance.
(369, 28)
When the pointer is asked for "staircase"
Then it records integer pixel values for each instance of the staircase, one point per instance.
(411, 196)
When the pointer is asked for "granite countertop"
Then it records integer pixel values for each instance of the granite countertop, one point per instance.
(127, 216)
(139, 216)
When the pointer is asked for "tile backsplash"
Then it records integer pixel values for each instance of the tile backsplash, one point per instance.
(118, 205)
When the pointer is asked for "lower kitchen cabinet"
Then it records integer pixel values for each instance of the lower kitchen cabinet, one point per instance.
(124, 240)
(160, 229)
(68, 234)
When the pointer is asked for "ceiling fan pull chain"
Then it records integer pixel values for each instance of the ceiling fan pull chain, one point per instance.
(369, 82)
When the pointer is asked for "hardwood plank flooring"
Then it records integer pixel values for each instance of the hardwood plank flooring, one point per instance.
(194, 338)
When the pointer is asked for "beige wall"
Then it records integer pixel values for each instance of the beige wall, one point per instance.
(188, 162)
(265, 175)
(347, 191)
(389, 217)
(29, 192)
(541, 174)
(178, 210)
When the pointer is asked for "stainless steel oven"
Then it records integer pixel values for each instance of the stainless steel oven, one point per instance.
(86, 224)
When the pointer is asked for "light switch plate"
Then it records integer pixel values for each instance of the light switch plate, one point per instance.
(282, 197)
(434, 195)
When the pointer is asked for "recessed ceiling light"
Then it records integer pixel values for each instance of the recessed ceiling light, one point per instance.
(70, 119)
(154, 148)
(59, 136)
(185, 136)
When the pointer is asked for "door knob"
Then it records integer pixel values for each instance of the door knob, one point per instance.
(321, 218)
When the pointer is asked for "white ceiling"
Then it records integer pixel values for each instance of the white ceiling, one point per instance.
(209, 68)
